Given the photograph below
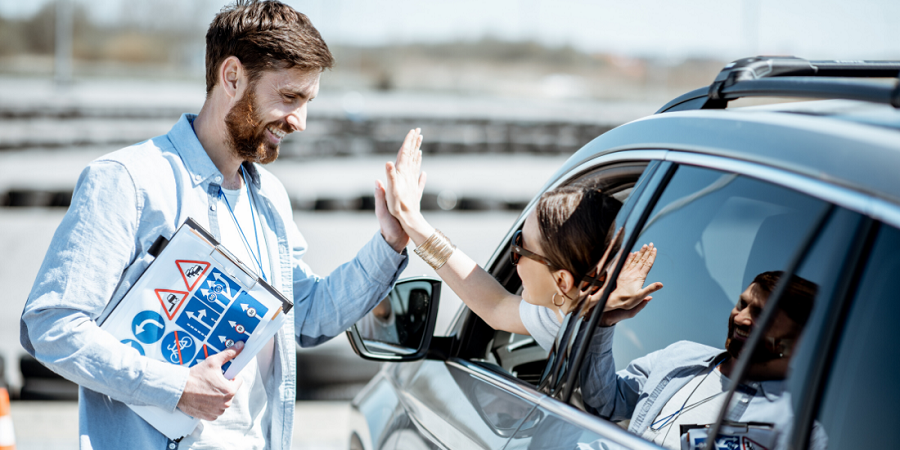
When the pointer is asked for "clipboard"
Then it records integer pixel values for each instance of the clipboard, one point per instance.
(194, 300)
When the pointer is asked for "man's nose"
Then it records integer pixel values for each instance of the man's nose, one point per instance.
(297, 119)
(744, 318)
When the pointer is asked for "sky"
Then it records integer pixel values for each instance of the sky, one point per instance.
(724, 29)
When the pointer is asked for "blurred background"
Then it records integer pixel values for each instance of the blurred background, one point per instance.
(504, 91)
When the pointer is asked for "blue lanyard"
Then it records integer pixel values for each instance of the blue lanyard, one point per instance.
(665, 420)
(253, 218)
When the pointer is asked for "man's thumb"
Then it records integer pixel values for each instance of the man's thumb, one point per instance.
(228, 354)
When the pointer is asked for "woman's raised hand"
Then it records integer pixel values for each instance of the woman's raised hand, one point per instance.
(405, 179)
(630, 296)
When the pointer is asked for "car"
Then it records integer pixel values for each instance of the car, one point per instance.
(806, 189)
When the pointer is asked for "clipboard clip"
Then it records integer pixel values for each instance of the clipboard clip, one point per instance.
(247, 279)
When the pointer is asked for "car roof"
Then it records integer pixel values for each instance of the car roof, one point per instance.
(848, 143)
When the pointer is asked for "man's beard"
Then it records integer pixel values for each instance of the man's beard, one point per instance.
(761, 354)
(247, 134)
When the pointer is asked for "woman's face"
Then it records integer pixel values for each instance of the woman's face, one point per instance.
(537, 279)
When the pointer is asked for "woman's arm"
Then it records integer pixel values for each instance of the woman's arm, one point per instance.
(475, 287)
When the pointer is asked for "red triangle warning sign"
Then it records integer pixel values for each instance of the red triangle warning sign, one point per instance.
(191, 271)
(171, 301)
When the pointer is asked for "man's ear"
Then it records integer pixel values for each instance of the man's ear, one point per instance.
(564, 280)
(231, 75)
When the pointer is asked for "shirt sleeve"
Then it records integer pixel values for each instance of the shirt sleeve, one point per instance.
(91, 249)
(612, 394)
(326, 307)
(540, 322)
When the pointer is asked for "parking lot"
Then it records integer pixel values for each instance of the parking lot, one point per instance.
(317, 425)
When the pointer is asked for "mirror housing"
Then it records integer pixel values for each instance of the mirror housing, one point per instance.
(399, 328)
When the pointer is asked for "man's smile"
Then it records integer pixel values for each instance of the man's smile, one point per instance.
(277, 133)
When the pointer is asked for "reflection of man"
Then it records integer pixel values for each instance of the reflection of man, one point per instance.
(263, 65)
(685, 383)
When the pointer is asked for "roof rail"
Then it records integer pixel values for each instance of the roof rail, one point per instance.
(787, 76)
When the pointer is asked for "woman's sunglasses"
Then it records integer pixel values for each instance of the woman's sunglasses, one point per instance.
(516, 251)
(590, 284)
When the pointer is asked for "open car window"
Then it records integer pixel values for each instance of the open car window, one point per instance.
(519, 355)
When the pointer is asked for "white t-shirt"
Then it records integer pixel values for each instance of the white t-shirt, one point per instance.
(241, 426)
(541, 323)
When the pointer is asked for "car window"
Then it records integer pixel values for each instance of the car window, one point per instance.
(723, 241)
(715, 232)
(858, 407)
(520, 355)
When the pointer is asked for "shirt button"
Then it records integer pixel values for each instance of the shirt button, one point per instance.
(218, 178)
(171, 446)
(212, 207)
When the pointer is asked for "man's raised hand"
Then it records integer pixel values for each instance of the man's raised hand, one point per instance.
(207, 393)
(630, 296)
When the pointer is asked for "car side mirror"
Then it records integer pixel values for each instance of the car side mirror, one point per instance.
(401, 326)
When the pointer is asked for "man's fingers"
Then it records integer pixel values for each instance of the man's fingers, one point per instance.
(650, 289)
(629, 259)
(219, 359)
(645, 253)
(379, 196)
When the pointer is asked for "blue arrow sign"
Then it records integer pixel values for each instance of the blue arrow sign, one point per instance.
(148, 326)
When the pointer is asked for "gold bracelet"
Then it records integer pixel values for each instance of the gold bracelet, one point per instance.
(436, 250)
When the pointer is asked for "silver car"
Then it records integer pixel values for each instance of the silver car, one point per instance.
(807, 189)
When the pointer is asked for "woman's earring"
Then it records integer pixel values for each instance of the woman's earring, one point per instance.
(553, 299)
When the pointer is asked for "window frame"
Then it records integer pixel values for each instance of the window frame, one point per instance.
(470, 333)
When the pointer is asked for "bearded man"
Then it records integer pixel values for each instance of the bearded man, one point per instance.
(685, 383)
(263, 62)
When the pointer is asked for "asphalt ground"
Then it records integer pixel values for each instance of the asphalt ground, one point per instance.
(54, 425)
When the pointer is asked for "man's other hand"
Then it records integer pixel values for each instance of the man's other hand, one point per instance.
(390, 228)
(207, 393)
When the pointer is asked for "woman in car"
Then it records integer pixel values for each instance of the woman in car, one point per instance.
(561, 242)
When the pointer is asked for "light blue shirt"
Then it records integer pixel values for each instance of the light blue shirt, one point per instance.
(639, 391)
(122, 202)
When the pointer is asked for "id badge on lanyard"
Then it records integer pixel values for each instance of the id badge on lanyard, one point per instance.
(734, 436)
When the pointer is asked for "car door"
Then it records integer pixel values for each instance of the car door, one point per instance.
(715, 231)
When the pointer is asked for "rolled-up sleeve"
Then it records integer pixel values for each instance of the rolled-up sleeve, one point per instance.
(93, 246)
(326, 307)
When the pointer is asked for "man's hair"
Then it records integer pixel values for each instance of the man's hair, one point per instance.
(798, 298)
(263, 35)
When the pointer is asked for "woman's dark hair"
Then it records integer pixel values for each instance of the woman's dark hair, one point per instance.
(576, 225)
(263, 35)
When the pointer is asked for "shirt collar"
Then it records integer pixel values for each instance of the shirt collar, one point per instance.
(192, 153)
(196, 159)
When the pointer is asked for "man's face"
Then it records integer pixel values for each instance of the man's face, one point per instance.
(743, 318)
(271, 108)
